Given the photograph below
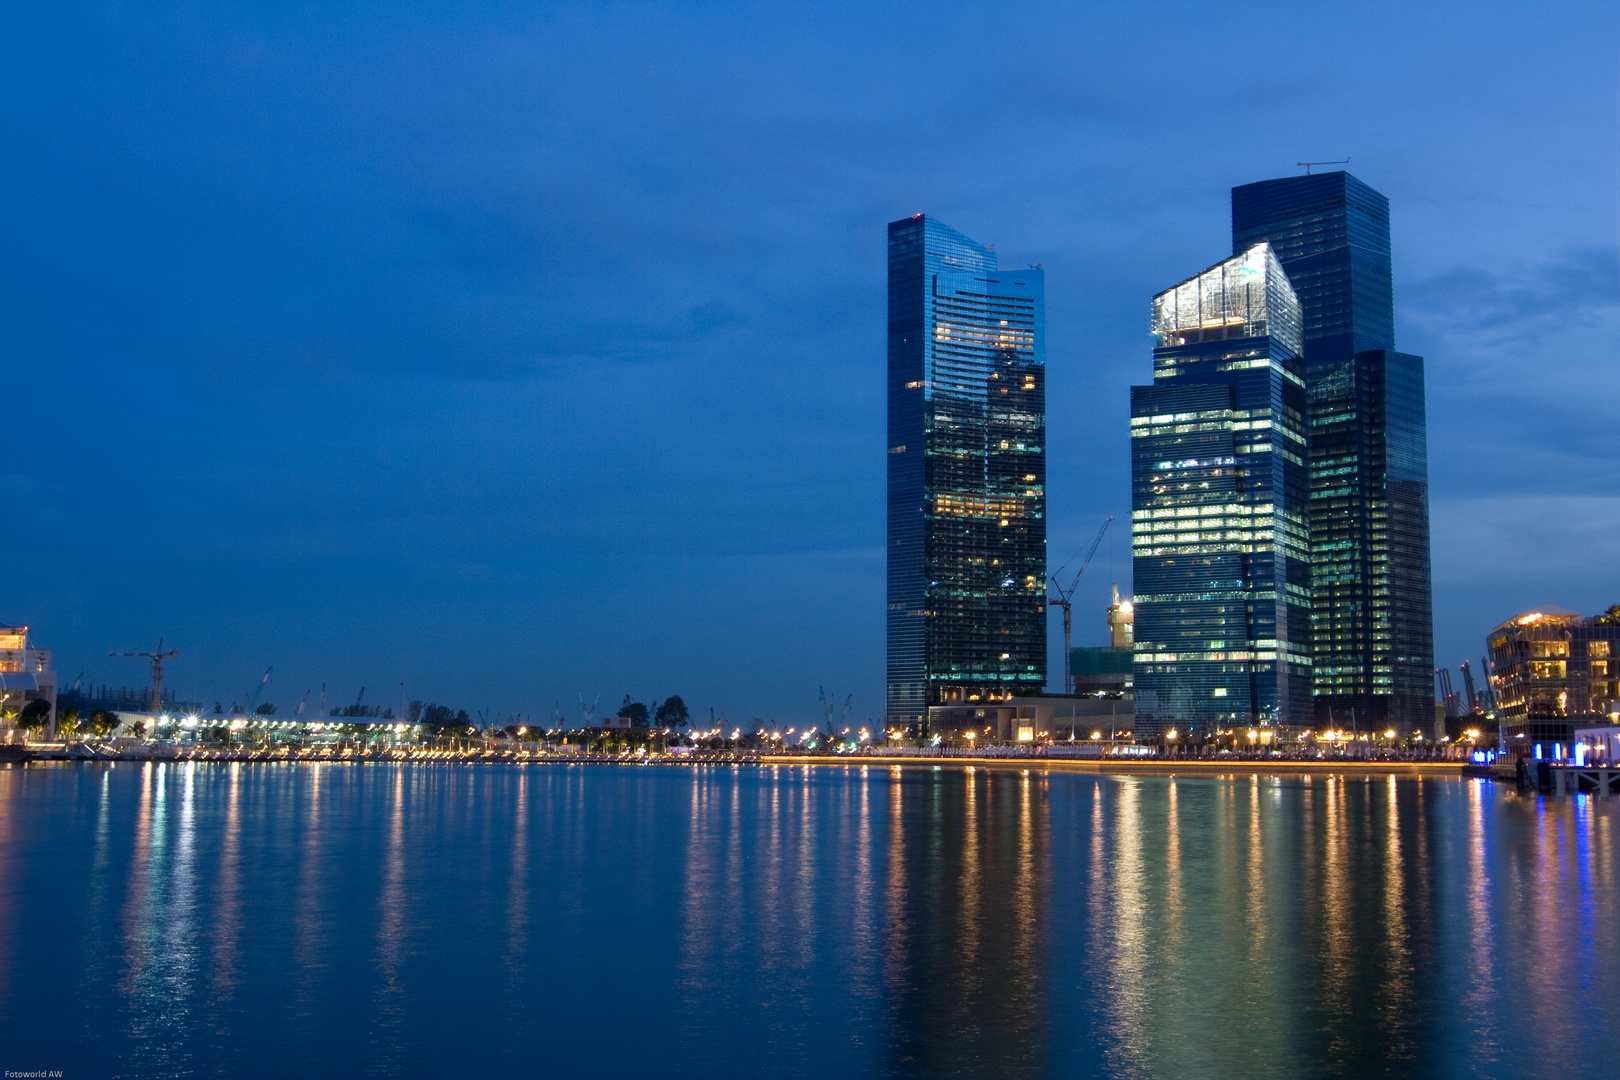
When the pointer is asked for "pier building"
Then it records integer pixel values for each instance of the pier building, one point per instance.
(1554, 671)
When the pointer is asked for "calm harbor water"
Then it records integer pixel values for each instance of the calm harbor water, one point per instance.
(558, 921)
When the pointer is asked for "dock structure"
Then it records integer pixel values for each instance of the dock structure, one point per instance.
(1585, 779)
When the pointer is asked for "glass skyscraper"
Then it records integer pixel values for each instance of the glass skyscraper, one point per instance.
(1372, 630)
(1219, 505)
(967, 474)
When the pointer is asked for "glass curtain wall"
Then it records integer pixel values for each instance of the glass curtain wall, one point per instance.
(1371, 616)
(1218, 515)
(967, 475)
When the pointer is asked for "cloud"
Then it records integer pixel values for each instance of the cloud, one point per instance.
(1552, 538)
(16, 487)
(1521, 306)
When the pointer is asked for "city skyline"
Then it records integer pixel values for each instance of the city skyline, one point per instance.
(503, 354)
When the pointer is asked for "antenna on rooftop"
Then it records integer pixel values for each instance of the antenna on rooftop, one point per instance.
(1309, 164)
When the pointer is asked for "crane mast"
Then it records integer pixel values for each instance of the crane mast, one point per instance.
(157, 657)
(1065, 598)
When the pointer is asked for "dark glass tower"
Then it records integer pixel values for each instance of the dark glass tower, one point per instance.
(967, 474)
(1372, 628)
(1218, 505)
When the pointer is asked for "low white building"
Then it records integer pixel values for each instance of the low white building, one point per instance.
(1601, 743)
(1036, 719)
(25, 677)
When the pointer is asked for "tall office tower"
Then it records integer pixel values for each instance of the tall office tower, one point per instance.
(1372, 624)
(967, 474)
(1218, 505)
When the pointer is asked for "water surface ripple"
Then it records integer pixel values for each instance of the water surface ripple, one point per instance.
(555, 921)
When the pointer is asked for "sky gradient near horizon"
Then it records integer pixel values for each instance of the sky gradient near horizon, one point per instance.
(517, 353)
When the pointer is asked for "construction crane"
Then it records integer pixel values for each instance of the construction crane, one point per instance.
(1487, 672)
(1064, 599)
(1309, 165)
(157, 657)
(1468, 685)
(253, 698)
(1447, 696)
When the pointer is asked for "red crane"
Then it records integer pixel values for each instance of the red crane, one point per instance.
(157, 659)
(1065, 596)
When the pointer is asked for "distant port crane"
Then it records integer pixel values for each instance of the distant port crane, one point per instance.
(253, 698)
(1064, 598)
(157, 657)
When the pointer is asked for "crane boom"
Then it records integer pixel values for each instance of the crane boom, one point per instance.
(257, 690)
(157, 657)
(1064, 600)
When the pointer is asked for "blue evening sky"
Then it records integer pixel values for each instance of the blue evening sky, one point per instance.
(518, 351)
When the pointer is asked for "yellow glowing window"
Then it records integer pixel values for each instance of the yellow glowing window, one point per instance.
(1597, 648)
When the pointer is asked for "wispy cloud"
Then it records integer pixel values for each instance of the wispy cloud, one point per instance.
(1519, 305)
(1555, 537)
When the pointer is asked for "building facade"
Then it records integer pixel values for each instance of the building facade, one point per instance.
(966, 475)
(26, 676)
(1372, 627)
(1219, 507)
(1110, 670)
(1553, 671)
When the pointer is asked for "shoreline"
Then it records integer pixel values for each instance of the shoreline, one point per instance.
(1151, 767)
(1093, 766)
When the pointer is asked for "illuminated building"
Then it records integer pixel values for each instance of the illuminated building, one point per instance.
(1372, 626)
(25, 676)
(1553, 669)
(967, 474)
(1218, 505)
(1109, 670)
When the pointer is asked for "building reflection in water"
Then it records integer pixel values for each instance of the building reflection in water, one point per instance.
(227, 913)
(861, 920)
(888, 912)
(390, 1001)
(308, 911)
(964, 961)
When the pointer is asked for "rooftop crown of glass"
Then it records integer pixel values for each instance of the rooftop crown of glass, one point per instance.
(1248, 295)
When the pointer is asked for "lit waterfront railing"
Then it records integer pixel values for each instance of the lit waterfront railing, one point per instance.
(1108, 754)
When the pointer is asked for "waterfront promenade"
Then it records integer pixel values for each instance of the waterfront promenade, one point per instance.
(907, 757)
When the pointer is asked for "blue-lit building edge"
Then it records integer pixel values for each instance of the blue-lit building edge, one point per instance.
(1183, 603)
(925, 257)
